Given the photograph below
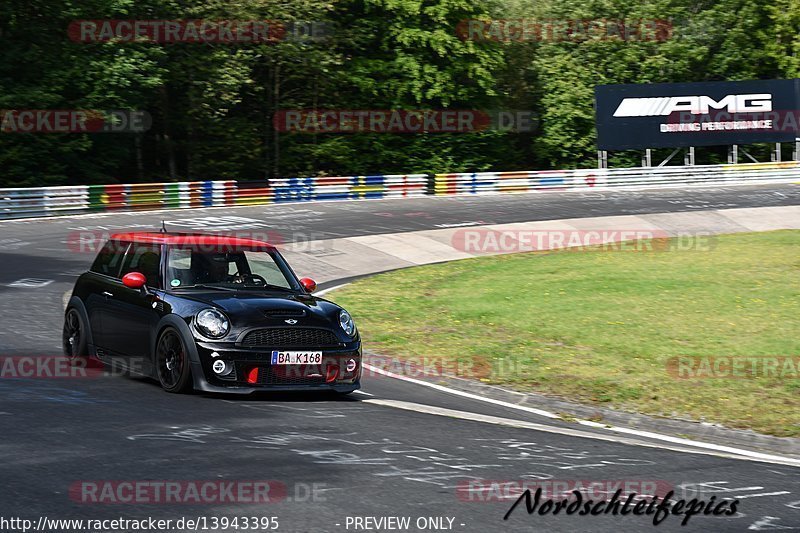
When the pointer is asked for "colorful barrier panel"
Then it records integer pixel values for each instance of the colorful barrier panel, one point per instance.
(68, 200)
(548, 180)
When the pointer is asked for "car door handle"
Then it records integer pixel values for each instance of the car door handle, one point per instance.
(107, 294)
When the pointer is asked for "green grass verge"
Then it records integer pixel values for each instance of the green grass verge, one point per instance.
(601, 327)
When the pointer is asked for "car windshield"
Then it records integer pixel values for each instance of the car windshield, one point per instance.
(234, 269)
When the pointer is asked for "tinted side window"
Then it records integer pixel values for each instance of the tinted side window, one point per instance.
(109, 259)
(145, 259)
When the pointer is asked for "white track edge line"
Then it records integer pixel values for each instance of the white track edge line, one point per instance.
(522, 424)
(647, 434)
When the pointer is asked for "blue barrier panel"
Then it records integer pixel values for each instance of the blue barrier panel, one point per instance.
(207, 193)
(551, 181)
(295, 190)
(478, 185)
(342, 195)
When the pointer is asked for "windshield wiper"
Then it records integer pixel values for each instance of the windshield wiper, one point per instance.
(234, 289)
(203, 286)
(268, 286)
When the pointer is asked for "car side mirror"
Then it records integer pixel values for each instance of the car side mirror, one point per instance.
(309, 284)
(134, 280)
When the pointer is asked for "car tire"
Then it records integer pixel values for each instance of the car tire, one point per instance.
(73, 336)
(172, 364)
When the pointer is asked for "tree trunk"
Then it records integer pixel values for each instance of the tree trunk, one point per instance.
(275, 132)
(168, 145)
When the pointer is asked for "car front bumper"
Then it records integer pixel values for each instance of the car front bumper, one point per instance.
(250, 370)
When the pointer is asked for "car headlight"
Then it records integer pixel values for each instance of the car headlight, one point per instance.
(346, 321)
(212, 323)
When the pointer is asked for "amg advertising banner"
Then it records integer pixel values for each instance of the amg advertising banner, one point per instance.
(672, 115)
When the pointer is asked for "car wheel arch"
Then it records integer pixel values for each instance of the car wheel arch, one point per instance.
(77, 304)
(179, 324)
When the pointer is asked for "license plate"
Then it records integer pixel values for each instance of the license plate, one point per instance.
(296, 358)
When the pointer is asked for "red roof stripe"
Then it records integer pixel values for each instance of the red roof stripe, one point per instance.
(189, 239)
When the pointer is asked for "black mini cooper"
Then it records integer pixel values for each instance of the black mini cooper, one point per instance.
(211, 313)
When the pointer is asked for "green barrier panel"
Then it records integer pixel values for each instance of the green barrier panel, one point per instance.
(172, 195)
(96, 193)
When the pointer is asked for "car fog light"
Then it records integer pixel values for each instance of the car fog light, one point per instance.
(351, 365)
(221, 367)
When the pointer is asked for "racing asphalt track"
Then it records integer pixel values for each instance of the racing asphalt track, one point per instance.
(366, 455)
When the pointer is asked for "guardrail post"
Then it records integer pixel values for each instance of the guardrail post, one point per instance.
(688, 158)
(602, 159)
(647, 159)
(733, 154)
(776, 154)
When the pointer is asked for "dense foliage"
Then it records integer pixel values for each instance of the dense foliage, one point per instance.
(214, 105)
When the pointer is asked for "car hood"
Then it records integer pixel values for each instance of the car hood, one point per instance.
(269, 308)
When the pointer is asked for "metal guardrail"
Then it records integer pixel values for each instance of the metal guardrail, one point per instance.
(489, 182)
(54, 201)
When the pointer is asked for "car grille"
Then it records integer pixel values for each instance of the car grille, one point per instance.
(290, 338)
